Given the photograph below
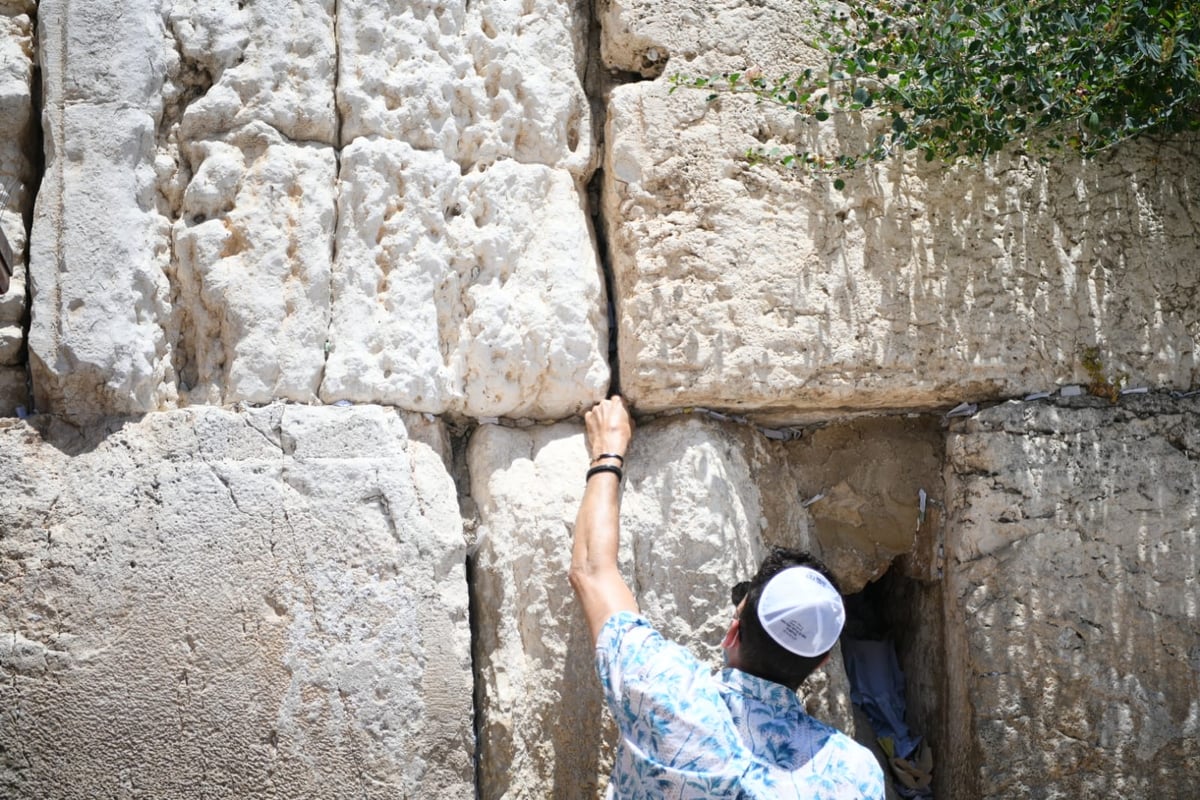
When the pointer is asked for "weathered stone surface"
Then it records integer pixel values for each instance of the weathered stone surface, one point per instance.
(1072, 592)
(476, 294)
(701, 502)
(271, 62)
(253, 253)
(268, 604)
(98, 341)
(751, 288)
(14, 391)
(18, 179)
(862, 481)
(188, 219)
(478, 82)
(641, 36)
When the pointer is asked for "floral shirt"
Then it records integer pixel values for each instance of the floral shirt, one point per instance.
(687, 734)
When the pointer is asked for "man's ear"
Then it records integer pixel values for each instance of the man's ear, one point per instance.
(733, 635)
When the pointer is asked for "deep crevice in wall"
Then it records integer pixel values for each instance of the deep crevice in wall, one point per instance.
(598, 82)
(903, 614)
(29, 181)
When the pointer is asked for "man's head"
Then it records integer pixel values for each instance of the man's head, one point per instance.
(782, 614)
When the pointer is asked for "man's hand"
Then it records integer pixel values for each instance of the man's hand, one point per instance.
(609, 429)
(594, 575)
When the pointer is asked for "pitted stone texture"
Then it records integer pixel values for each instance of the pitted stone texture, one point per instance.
(1073, 588)
(271, 604)
(253, 274)
(752, 288)
(98, 340)
(477, 294)
(478, 82)
(694, 518)
(18, 149)
(699, 37)
(270, 61)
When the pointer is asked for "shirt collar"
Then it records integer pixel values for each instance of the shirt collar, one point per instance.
(760, 689)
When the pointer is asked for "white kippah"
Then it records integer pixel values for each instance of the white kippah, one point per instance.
(802, 611)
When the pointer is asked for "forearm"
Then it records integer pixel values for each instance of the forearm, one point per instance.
(597, 526)
(594, 574)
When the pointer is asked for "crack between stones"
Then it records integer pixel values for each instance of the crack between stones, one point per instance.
(339, 121)
(36, 154)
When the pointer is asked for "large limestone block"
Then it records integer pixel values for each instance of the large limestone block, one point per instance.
(271, 61)
(253, 256)
(478, 294)
(701, 501)
(476, 81)
(1072, 584)
(99, 337)
(752, 288)
(702, 37)
(268, 604)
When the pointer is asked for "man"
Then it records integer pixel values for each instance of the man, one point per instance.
(687, 734)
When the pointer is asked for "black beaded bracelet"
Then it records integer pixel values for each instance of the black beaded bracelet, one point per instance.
(606, 468)
(603, 456)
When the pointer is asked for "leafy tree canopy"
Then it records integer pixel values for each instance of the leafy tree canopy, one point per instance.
(961, 79)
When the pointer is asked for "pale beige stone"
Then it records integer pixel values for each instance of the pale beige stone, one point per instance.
(696, 37)
(478, 82)
(1072, 597)
(253, 257)
(268, 604)
(747, 287)
(479, 294)
(272, 62)
(99, 336)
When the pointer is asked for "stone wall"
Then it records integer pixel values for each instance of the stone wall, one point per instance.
(317, 290)
(1073, 594)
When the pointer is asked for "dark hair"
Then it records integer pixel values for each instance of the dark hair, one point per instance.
(760, 654)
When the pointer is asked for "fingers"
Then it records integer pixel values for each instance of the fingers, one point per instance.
(609, 427)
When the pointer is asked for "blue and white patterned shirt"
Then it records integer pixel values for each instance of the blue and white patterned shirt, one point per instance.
(687, 734)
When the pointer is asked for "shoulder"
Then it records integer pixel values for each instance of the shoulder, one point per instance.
(628, 643)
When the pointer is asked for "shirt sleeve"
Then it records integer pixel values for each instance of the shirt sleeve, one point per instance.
(665, 702)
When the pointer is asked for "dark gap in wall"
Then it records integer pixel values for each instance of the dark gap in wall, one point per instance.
(460, 437)
(903, 614)
(33, 145)
(598, 83)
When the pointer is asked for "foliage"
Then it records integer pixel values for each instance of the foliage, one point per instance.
(959, 79)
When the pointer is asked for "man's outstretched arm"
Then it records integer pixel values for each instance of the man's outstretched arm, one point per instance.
(594, 575)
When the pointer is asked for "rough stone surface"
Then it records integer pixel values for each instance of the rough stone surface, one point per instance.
(253, 253)
(476, 294)
(1072, 591)
(98, 338)
(192, 206)
(18, 141)
(14, 390)
(747, 287)
(478, 82)
(701, 502)
(647, 37)
(267, 604)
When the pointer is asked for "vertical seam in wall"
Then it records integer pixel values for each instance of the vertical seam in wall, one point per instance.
(596, 86)
(327, 345)
(37, 164)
